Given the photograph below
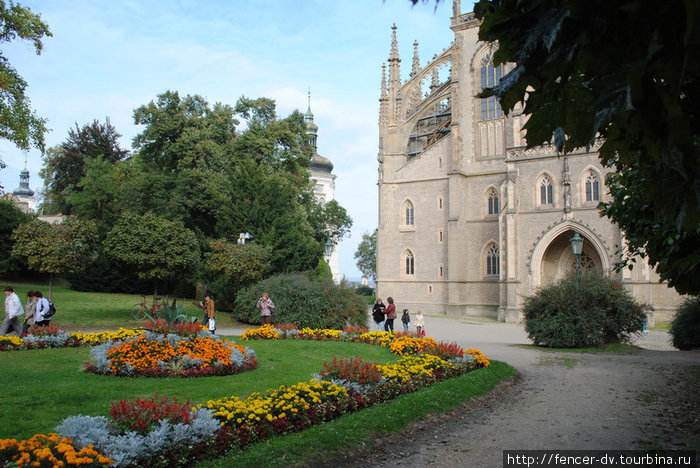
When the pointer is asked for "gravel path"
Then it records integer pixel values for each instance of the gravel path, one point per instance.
(559, 400)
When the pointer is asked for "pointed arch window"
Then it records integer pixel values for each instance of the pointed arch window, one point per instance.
(409, 219)
(493, 202)
(490, 107)
(546, 191)
(493, 262)
(409, 263)
(592, 187)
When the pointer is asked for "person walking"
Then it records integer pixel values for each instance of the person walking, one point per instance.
(42, 307)
(13, 310)
(266, 307)
(420, 324)
(378, 314)
(405, 319)
(390, 312)
(29, 310)
(209, 320)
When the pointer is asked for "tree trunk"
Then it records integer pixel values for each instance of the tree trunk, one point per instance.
(200, 289)
(51, 287)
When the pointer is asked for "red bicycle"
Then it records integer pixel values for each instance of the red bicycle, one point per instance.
(144, 310)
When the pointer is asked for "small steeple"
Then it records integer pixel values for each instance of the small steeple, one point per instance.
(311, 127)
(416, 62)
(309, 116)
(23, 190)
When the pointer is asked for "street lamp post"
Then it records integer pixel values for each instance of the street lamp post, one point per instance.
(577, 248)
(328, 250)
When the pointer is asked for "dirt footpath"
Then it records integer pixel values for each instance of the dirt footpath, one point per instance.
(644, 400)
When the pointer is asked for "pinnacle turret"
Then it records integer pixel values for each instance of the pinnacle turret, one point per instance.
(416, 62)
(394, 61)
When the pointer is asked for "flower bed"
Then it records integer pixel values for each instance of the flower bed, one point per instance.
(48, 450)
(162, 432)
(153, 354)
(53, 337)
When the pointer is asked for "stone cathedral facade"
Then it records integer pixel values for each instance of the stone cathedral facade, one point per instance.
(471, 222)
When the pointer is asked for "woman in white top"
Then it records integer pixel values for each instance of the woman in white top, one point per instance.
(420, 323)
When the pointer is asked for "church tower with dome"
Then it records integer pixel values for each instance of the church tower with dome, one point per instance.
(324, 188)
(23, 196)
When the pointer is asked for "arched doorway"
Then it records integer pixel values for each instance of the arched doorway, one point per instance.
(558, 259)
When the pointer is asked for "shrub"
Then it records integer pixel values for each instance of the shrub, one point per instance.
(685, 327)
(304, 301)
(363, 290)
(591, 310)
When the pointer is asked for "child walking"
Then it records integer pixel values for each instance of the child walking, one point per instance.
(420, 324)
(405, 319)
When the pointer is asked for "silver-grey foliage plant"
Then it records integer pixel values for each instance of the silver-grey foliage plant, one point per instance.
(131, 447)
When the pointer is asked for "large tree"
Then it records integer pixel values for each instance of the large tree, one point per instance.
(152, 247)
(65, 165)
(18, 122)
(55, 248)
(627, 73)
(182, 154)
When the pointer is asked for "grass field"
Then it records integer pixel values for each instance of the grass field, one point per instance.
(41, 387)
(85, 311)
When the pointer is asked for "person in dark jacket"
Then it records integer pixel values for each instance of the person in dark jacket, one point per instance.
(378, 314)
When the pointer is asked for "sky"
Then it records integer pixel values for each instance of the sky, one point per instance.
(107, 58)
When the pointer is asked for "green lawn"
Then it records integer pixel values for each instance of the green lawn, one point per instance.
(76, 310)
(41, 387)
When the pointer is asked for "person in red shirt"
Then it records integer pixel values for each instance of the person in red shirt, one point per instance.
(390, 312)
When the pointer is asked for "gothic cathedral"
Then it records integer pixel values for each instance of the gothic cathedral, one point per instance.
(470, 222)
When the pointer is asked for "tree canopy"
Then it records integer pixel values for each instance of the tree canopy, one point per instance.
(65, 165)
(191, 166)
(366, 255)
(18, 122)
(11, 217)
(626, 73)
(152, 247)
(55, 248)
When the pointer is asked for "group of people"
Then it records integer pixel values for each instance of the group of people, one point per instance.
(35, 312)
(384, 316)
(264, 304)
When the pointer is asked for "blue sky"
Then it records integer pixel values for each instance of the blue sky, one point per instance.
(106, 58)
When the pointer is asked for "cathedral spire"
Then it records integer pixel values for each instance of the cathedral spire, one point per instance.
(416, 62)
(394, 61)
